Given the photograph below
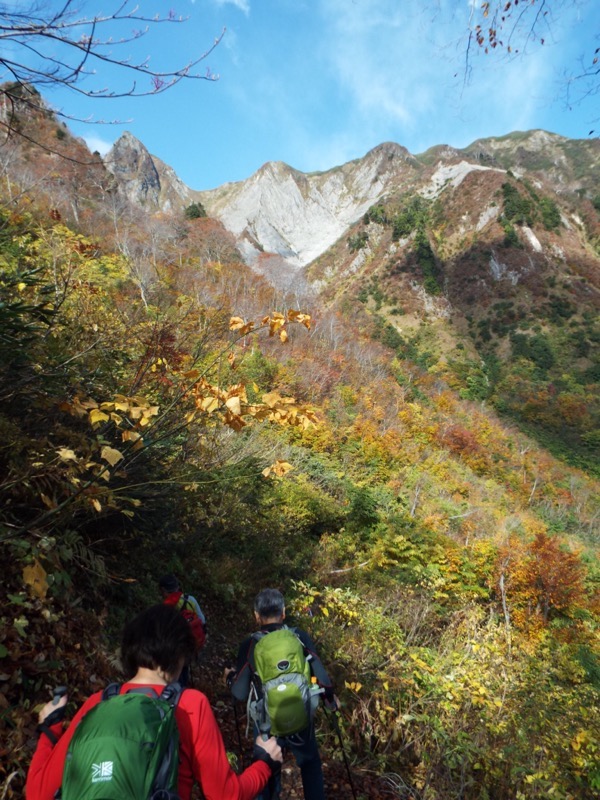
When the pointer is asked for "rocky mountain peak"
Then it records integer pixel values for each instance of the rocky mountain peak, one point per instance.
(390, 150)
(133, 167)
(299, 215)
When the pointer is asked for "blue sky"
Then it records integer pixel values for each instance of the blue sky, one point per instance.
(316, 83)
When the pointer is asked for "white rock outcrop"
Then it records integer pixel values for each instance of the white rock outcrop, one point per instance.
(298, 215)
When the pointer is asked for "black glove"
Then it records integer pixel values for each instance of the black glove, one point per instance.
(56, 716)
(260, 754)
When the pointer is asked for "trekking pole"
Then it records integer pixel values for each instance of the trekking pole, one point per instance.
(336, 725)
(57, 693)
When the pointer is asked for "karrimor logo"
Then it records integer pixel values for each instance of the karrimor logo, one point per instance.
(102, 772)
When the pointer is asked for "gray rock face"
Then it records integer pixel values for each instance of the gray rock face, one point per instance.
(135, 171)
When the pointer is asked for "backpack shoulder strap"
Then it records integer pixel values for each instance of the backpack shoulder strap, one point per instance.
(172, 693)
(296, 633)
(112, 690)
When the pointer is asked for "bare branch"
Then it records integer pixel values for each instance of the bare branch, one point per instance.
(60, 48)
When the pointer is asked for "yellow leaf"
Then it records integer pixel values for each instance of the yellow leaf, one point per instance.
(208, 404)
(96, 504)
(111, 455)
(271, 399)
(231, 359)
(130, 436)
(386, 686)
(325, 611)
(296, 316)
(234, 405)
(47, 501)
(246, 329)
(35, 577)
(66, 454)
(21, 286)
(96, 416)
(235, 323)
(281, 468)
(283, 335)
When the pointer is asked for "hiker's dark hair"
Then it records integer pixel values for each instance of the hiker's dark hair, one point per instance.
(169, 583)
(269, 603)
(159, 637)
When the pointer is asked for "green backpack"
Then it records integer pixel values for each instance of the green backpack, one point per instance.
(285, 700)
(127, 746)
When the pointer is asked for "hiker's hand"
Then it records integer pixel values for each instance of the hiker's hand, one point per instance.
(270, 752)
(53, 711)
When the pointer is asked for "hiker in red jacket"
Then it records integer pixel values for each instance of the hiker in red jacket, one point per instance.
(155, 647)
(190, 609)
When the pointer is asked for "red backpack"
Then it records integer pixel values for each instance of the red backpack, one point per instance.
(188, 613)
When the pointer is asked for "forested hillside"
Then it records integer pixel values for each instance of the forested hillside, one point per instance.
(162, 407)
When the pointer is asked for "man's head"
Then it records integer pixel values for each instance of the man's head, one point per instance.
(168, 584)
(269, 606)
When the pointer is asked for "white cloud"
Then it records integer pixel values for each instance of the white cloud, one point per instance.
(95, 143)
(385, 58)
(243, 5)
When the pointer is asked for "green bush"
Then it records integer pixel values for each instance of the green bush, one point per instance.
(550, 214)
(358, 242)
(517, 208)
(428, 263)
(195, 211)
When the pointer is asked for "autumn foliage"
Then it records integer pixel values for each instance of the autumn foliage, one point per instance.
(162, 407)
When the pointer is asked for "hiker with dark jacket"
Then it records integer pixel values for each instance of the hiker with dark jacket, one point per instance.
(155, 647)
(269, 612)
